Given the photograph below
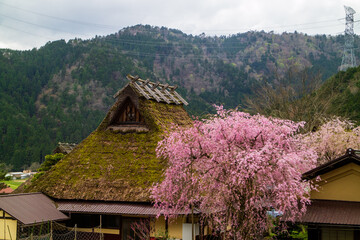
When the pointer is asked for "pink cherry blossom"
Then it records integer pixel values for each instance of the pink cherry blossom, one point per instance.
(333, 138)
(234, 168)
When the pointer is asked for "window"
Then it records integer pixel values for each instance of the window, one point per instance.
(128, 119)
(337, 234)
(128, 114)
(84, 220)
(111, 221)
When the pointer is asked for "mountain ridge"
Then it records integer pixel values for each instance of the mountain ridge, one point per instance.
(61, 91)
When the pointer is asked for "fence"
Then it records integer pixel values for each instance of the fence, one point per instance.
(55, 231)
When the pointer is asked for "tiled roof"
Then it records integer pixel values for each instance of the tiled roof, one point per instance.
(333, 212)
(120, 208)
(30, 208)
(106, 207)
(155, 91)
(6, 190)
(351, 156)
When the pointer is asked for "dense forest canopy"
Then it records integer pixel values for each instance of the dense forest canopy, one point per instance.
(61, 91)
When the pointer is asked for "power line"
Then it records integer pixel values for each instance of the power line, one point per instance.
(163, 45)
(274, 27)
(302, 24)
(305, 26)
(130, 42)
(182, 58)
(59, 18)
(318, 27)
(30, 33)
(212, 30)
(35, 24)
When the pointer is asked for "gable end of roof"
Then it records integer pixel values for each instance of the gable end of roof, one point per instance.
(349, 157)
(154, 91)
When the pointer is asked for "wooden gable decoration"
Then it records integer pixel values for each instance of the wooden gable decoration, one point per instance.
(128, 114)
(155, 91)
(128, 118)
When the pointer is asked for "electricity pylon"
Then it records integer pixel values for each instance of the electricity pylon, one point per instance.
(348, 59)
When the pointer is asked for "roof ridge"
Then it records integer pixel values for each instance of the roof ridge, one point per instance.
(21, 194)
(156, 91)
(147, 81)
(331, 200)
(349, 156)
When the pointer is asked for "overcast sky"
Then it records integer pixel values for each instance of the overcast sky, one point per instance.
(25, 24)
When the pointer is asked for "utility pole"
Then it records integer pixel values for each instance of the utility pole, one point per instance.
(348, 59)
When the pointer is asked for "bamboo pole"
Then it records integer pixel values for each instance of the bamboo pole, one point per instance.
(4, 225)
(192, 223)
(75, 232)
(101, 235)
(51, 230)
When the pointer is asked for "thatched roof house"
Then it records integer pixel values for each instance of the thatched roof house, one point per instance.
(64, 148)
(117, 162)
(104, 182)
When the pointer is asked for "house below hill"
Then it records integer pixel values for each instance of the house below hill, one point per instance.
(25, 211)
(64, 148)
(104, 183)
(20, 175)
(335, 209)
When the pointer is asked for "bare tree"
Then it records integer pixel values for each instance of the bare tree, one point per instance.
(292, 97)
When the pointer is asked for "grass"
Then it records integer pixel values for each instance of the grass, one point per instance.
(14, 184)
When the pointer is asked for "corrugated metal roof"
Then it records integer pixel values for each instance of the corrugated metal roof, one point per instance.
(30, 208)
(333, 212)
(107, 208)
(155, 91)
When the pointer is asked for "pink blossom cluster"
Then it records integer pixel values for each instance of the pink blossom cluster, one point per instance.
(234, 168)
(333, 138)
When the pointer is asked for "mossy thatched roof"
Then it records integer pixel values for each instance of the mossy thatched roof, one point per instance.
(112, 165)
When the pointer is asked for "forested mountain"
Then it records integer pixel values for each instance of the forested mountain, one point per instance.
(339, 95)
(61, 91)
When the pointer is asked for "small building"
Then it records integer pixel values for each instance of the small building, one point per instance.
(64, 148)
(104, 183)
(334, 212)
(25, 210)
(15, 175)
(6, 190)
(20, 175)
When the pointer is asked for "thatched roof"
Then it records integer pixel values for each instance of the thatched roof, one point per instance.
(64, 148)
(116, 162)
